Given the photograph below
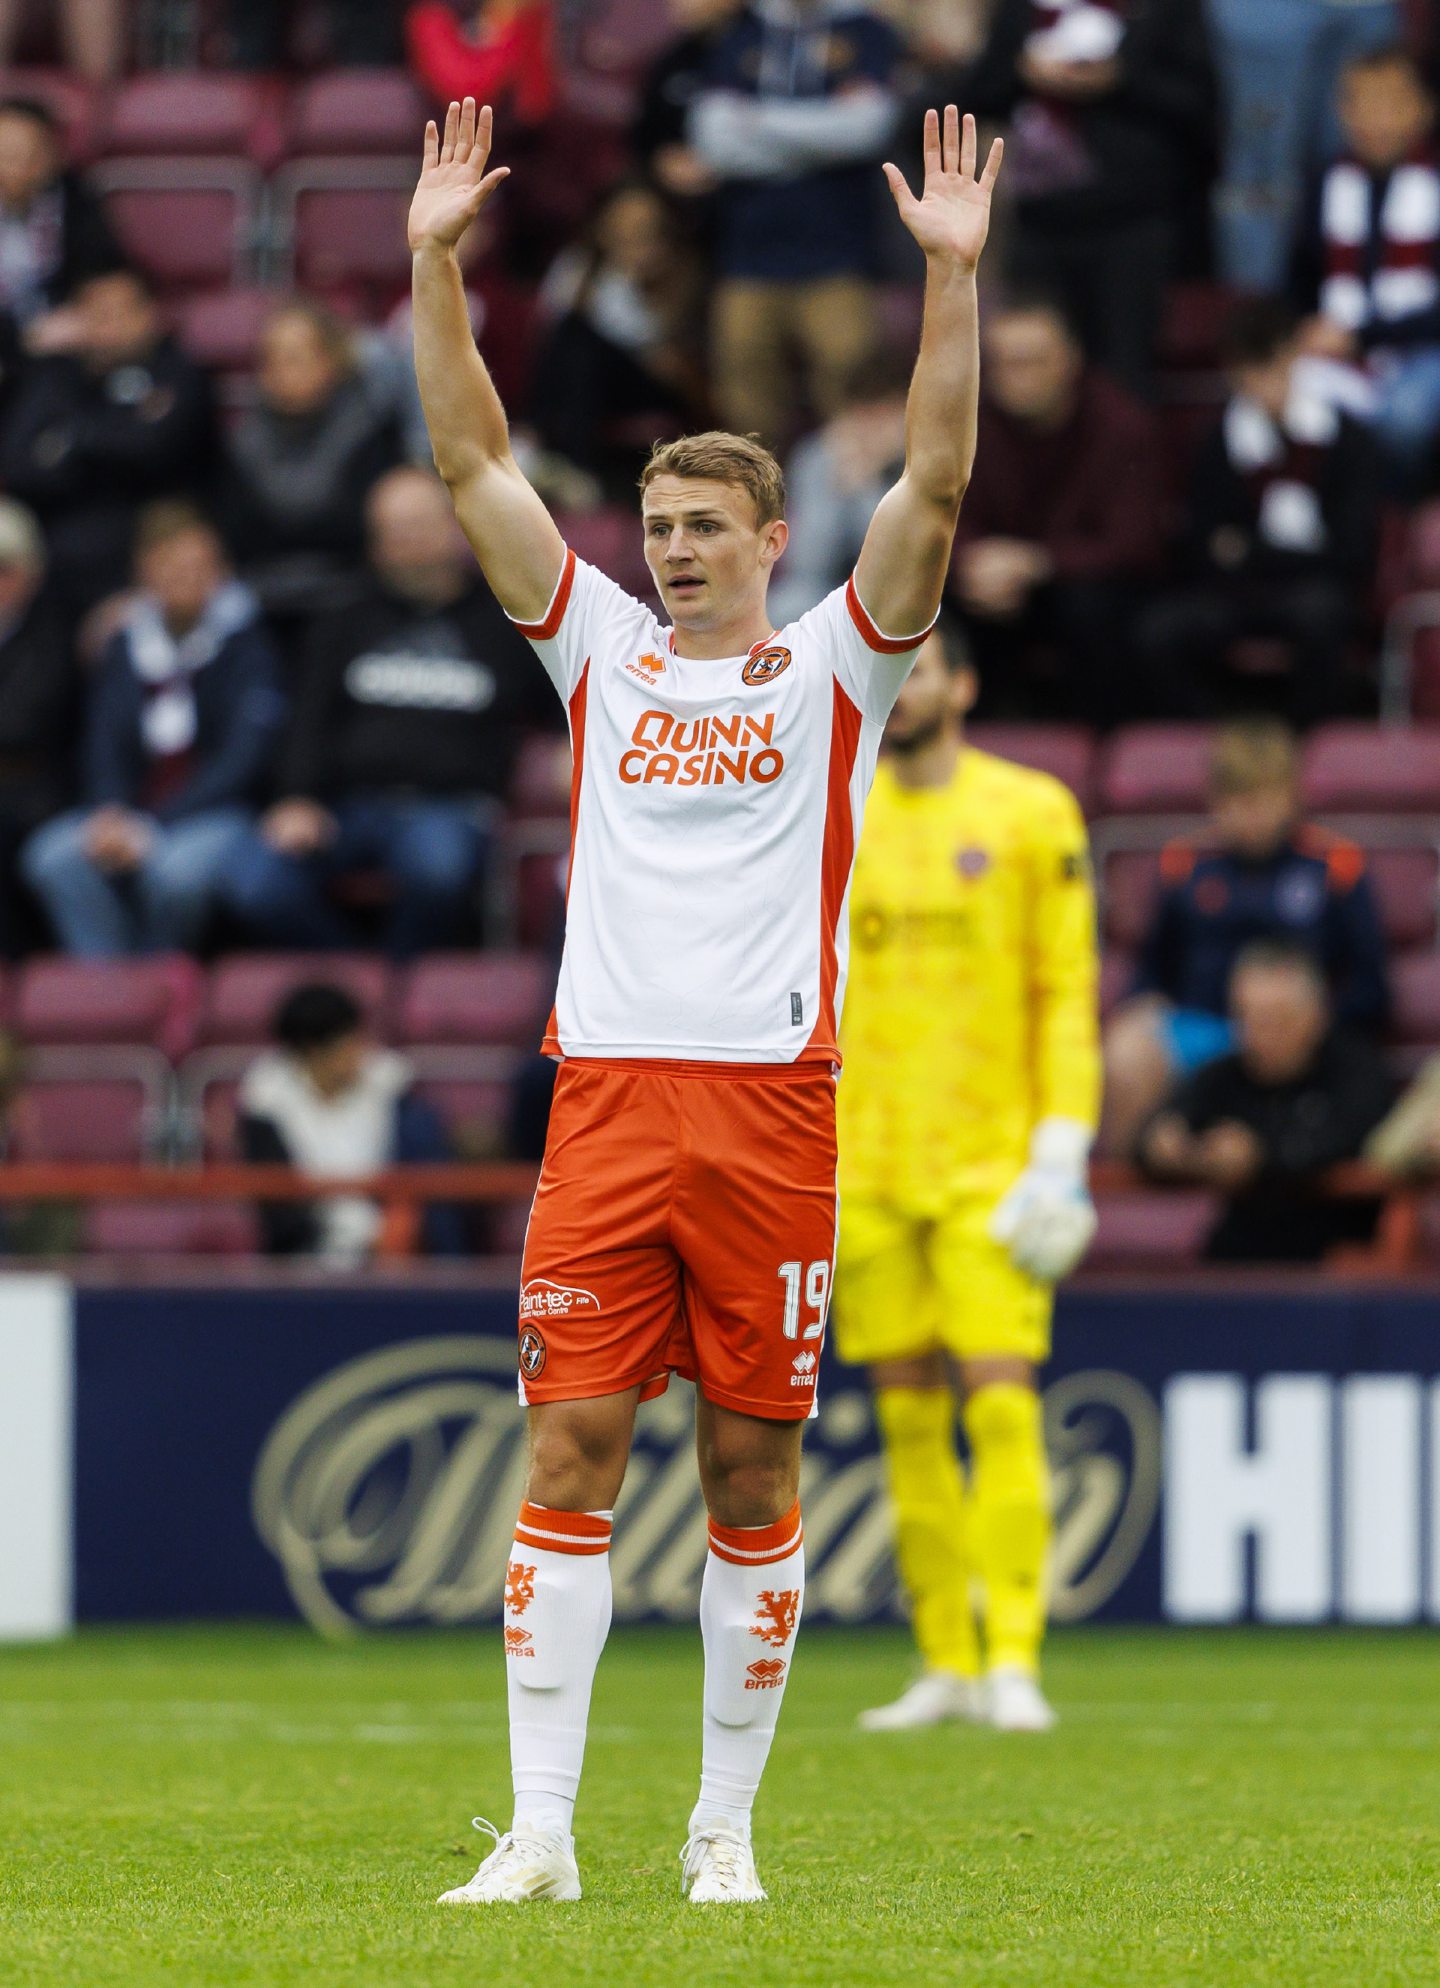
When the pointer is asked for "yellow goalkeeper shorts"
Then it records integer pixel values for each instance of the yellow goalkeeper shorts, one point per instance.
(904, 1285)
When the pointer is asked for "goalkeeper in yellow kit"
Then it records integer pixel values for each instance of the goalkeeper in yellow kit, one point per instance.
(967, 1104)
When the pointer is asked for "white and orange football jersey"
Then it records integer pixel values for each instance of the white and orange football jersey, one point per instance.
(714, 813)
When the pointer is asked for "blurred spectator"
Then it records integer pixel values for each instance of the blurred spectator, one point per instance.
(501, 321)
(797, 107)
(660, 135)
(618, 364)
(1064, 512)
(1110, 109)
(92, 35)
(1262, 1124)
(1258, 874)
(835, 478)
(1367, 260)
(1278, 63)
(93, 434)
(1281, 532)
(1407, 1140)
(941, 32)
(179, 732)
(328, 1102)
(300, 465)
(410, 708)
(362, 33)
(39, 690)
(53, 230)
(501, 52)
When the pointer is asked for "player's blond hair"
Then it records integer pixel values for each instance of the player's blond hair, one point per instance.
(1256, 753)
(719, 457)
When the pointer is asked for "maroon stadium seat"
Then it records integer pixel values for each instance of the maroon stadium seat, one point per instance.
(1424, 559)
(1416, 981)
(245, 990)
(470, 1089)
(1129, 885)
(539, 897)
(537, 793)
(171, 1228)
(1117, 970)
(221, 328)
(476, 997)
(1405, 880)
(83, 1118)
(358, 112)
(150, 1001)
(1193, 327)
(1425, 676)
(1371, 769)
(192, 113)
(1067, 751)
(1155, 769)
(346, 224)
(508, 1225)
(187, 222)
(1150, 1230)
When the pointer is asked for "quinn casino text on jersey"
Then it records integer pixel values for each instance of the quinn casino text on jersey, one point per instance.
(703, 752)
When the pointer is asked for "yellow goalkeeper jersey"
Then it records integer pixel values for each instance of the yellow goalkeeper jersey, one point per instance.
(971, 1006)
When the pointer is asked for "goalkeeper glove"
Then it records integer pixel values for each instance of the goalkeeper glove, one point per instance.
(1047, 1219)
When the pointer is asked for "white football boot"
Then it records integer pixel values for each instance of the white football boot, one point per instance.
(1014, 1702)
(718, 1868)
(526, 1865)
(934, 1699)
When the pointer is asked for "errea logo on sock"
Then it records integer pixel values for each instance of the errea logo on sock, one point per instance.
(765, 1674)
(518, 1643)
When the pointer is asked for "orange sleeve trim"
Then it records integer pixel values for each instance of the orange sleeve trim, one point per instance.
(757, 1546)
(544, 631)
(871, 635)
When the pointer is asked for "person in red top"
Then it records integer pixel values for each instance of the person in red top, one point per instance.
(1065, 510)
(507, 53)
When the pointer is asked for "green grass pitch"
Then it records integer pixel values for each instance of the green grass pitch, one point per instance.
(199, 1807)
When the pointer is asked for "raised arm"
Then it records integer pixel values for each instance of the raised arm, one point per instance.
(902, 567)
(514, 536)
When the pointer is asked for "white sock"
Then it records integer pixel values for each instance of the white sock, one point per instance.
(750, 1602)
(557, 1616)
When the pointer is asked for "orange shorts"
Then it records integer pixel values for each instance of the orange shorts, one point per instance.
(684, 1223)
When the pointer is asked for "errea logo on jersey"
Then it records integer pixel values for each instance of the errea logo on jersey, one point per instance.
(702, 752)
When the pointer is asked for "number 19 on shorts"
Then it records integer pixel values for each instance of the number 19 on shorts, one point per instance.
(814, 1285)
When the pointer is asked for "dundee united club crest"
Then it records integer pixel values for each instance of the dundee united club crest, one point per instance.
(764, 665)
(532, 1353)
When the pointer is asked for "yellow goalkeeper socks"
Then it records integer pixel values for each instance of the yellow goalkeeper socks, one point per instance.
(917, 1428)
(1009, 1518)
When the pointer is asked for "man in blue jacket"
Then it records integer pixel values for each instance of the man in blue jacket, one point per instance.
(1260, 874)
(794, 113)
(181, 724)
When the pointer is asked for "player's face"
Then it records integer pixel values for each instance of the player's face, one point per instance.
(710, 559)
(931, 698)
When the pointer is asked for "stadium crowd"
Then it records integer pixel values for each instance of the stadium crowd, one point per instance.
(255, 695)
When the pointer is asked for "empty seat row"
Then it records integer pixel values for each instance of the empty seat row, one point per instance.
(1155, 769)
(172, 1005)
(225, 114)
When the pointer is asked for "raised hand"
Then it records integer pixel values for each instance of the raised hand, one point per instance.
(454, 184)
(951, 218)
